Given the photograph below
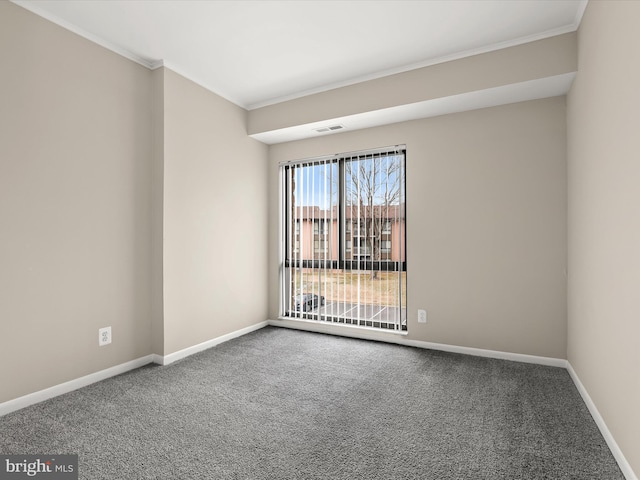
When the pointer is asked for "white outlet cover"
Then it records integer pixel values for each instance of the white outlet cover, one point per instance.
(104, 336)
(422, 316)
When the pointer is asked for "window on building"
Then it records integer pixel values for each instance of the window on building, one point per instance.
(320, 245)
(362, 250)
(339, 268)
(320, 227)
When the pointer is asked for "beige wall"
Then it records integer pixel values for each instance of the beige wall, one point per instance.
(119, 188)
(604, 218)
(486, 224)
(75, 142)
(215, 225)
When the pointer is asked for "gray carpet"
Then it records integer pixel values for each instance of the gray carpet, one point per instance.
(284, 404)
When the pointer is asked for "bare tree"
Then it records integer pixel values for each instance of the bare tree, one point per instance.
(373, 188)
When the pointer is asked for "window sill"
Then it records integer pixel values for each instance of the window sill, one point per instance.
(353, 328)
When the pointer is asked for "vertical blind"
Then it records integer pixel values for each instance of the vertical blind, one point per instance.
(343, 256)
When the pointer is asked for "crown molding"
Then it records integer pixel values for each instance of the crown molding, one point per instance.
(154, 64)
(582, 6)
(27, 5)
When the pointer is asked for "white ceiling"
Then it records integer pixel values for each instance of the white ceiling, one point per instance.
(256, 53)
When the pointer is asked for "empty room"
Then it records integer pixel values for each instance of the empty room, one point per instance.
(350, 239)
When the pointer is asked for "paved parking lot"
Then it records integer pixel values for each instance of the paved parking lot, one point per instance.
(376, 313)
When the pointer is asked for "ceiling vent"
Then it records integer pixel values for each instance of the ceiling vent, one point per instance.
(332, 128)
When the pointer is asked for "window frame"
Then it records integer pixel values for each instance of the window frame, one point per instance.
(342, 263)
(345, 229)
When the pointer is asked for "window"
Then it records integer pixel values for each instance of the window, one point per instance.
(320, 246)
(320, 227)
(362, 249)
(335, 212)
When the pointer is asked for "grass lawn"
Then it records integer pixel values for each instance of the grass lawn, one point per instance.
(353, 286)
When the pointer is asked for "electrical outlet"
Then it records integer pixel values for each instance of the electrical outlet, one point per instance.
(104, 336)
(422, 316)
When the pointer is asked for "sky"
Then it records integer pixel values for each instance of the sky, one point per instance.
(317, 185)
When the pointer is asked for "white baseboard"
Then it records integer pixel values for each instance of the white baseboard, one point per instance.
(42, 395)
(56, 390)
(517, 357)
(627, 471)
(180, 354)
(479, 352)
(70, 386)
(401, 340)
